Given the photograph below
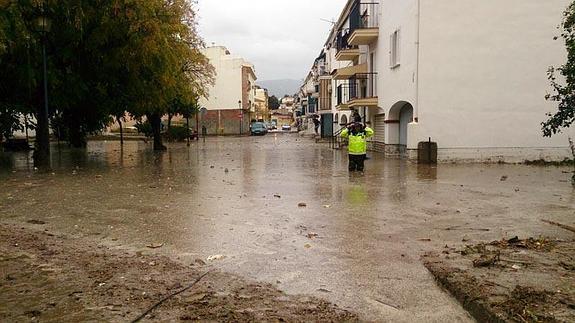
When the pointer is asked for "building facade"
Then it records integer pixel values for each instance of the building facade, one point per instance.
(262, 111)
(231, 104)
(470, 75)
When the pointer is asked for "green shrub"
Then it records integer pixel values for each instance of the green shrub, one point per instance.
(178, 133)
(144, 128)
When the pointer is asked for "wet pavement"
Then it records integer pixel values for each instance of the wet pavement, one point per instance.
(357, 242)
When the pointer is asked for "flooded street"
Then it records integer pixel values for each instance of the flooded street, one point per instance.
(284, 210)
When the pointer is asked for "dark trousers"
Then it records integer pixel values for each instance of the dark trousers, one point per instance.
(356, 163)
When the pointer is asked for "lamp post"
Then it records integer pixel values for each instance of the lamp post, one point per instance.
(42, 154)
(241, 116)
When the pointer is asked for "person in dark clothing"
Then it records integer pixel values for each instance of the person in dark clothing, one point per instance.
(316, 124)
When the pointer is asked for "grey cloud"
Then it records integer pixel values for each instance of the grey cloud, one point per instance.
(280, 37)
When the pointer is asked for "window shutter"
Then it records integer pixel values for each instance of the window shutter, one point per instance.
(398, 47)
(391, 50)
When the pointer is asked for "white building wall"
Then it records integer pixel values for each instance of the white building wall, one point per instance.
(482, 75)
(227, 88)
(398, 84)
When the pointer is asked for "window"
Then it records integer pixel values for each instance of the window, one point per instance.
(394, 52)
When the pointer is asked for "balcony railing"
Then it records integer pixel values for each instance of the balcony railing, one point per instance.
(363, 15)
(342, 94)
(342, 40)
(360, 86)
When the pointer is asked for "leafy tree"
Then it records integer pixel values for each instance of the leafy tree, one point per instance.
(165, 60)
(564, 94)
(105, 58)
(273, 102)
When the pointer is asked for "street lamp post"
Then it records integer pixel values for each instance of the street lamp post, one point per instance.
(241, 117)
(43, 135)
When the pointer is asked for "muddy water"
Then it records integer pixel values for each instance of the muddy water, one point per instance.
(357, 242)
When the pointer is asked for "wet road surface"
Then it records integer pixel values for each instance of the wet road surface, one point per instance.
(357, 242)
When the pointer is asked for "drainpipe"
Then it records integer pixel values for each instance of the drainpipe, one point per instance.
(416, 112)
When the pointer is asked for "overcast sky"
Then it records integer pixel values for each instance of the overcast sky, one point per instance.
(280, 37)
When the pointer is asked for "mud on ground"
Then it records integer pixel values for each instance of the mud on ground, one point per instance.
(511, 280)
(45, 277)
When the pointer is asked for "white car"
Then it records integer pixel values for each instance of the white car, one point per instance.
(286, 127)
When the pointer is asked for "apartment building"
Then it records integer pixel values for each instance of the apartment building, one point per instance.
(262, 111)
(231, 104)
(469, 74)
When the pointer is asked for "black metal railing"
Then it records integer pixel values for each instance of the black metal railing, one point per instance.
(337, 142)
(364, 15)
(360, 86)
(342, 40)
(342, 94)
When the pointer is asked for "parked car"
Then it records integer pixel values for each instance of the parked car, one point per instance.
(258, 128)
(286, 127)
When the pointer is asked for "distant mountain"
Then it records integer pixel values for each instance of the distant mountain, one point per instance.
(279, 88)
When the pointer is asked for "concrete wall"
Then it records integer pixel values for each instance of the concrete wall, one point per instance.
(235, 81)
(225, 122)
(488, 83)
(397, 84)
(227, 89)
(480, 86)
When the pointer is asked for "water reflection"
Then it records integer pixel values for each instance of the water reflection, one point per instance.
(427, 172)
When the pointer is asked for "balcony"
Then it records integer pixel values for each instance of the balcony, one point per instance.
(358, 91)
(346, 73)
(345, 51)
(364, 23)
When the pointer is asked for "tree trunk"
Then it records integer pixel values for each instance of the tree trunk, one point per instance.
(156, 122)
(76, 137)
(188, 129)
(77, 140)
(121, 131)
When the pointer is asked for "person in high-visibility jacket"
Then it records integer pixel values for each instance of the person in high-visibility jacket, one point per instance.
(357, 134)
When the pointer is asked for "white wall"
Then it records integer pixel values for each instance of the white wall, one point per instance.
(227, 89)
(483, 71)
(397, 84)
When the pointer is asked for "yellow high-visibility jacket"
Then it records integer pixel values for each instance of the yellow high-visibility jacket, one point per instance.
(357, 143)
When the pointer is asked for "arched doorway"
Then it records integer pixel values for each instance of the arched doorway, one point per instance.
(397, 127)
(343, 122)
(405, 118)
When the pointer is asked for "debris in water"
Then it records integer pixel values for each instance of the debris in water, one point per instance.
(327, 206)
(426, 239)
(486, 260)
(216, 257)
(155, 245)
(307, 246)
(301, 204)
(504, 178)
(516, 267)
(278, 196)
(226, 170)
(199, 262)
(35, 222)
(312, 235)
